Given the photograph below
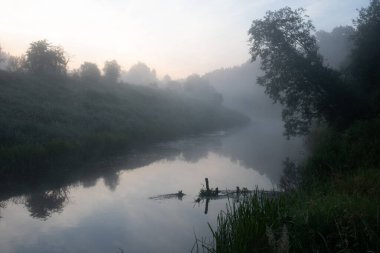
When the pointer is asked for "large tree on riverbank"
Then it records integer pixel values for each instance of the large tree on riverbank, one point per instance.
(294, 74)
(364, 67)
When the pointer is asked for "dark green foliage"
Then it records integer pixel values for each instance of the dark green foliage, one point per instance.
(337, 215)
(332, 203)
(242, 228)
(294, 74)
(47, 120)
(292, 177)
(364, 69)
(338, 151)
(42, 58)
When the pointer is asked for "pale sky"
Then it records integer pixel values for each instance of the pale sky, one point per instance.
(176, 37)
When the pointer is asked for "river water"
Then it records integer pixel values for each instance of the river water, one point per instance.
(112, 210)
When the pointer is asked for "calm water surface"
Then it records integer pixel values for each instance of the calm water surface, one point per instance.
(112, 209)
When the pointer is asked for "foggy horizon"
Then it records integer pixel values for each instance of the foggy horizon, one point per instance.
(175, 38)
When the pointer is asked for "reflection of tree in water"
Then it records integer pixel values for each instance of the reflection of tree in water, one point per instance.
(3, 204)
(89, 181)
(262, 147)
(43, 204)
(253, 147)
(111, 180)
(197, 148)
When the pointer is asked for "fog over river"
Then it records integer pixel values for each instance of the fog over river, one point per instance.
(112, 210)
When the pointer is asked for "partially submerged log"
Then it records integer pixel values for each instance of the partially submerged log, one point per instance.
(177, 195)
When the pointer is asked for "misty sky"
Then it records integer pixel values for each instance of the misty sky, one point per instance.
(176, 37)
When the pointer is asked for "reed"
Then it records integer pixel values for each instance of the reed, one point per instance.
(329, 217)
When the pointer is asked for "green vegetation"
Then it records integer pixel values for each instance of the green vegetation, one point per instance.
(339, 215)
(50, 120)
(331, 201)
(335, 206)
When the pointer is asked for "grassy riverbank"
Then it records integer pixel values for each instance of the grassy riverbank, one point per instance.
(335, 206)
(47, 122)
(331, 202)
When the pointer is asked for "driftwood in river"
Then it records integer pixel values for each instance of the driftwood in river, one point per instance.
(177, 195)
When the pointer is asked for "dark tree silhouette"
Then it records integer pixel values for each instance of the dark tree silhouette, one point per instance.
(294, 74)
(43, 204)
(111, 71)
(43, 58)
(90, 72)
(365, 58)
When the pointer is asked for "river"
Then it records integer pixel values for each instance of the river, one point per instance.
(111, 209)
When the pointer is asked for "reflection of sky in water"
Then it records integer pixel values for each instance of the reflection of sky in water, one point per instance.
(103, 215)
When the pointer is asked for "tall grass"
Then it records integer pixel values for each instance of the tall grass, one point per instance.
(242, 227)
(331, 203)
(298, 222)
(332, 206)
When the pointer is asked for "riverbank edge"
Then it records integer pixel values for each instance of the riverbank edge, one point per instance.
(330, 204)
(56, 124)
(20, 162)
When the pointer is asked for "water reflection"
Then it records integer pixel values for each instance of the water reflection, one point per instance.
(3, 204)
(104, 206)
(43, 204)
(254, 147)
(111, 180)
(179, 195)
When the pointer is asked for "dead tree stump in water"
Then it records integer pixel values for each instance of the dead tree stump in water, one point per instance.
(207, 186)
(206, 205)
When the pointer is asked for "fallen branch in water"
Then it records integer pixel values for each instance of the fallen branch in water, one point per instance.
(178, 195)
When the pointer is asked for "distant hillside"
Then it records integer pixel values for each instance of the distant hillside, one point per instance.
(43, 118)
(241, 92)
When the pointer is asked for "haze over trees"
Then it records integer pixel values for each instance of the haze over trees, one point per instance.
(295, 76)
(89, 113)
(111, 71)
(42, 58)
(140, 74)
(196, 87)
(90, 72)
(326, 86)
(240, 90)
(335, 46)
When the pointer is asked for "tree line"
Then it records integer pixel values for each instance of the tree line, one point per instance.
(44, 59)
(310, 91)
